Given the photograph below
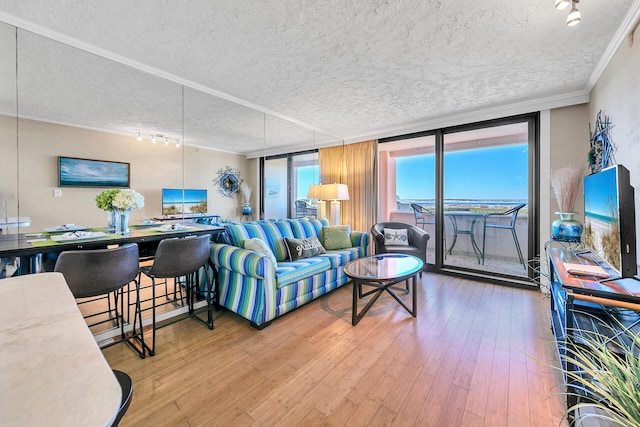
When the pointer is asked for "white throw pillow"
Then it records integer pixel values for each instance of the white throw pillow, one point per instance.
(395, 237)
(261, 246)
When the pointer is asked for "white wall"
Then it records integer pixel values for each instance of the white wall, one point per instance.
(617, 95)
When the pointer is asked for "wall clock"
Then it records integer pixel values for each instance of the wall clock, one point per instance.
(228, 181)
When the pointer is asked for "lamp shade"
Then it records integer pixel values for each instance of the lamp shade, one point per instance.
(335, 192)
(315, 191)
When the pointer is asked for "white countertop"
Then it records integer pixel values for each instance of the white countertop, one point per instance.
(52, 372)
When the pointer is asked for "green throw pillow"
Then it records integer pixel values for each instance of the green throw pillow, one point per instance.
(337, 237)
(303, 248)
(261, 246)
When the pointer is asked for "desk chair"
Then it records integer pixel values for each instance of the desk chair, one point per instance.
(175, 258)
(512, 214)
(418, 239)
(92, 273)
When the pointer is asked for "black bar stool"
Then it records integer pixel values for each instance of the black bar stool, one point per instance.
(178, 257)
(91, 273)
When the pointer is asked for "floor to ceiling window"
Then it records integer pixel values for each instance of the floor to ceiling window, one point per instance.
(287, 179)
(471, 189)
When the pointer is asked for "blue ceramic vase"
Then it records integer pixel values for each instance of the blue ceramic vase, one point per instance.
(566, 228)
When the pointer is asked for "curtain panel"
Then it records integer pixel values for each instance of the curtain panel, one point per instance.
(354, 165)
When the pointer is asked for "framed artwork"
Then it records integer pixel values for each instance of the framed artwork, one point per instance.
(75, 172)
(228, 181)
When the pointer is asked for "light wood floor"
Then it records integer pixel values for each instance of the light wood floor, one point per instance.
(476, 355)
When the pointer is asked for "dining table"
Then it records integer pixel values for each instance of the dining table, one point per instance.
(472, 218)
(31, 247)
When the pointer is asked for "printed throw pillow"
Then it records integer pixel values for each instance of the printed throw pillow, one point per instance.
(337, 237)
(303, 248)
(261, 246)
(395, 237)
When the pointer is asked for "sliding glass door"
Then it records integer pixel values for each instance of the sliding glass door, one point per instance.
(287, 181)
(485, 198)
(470, 188)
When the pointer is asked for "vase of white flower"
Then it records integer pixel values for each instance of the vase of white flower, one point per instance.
(124, 201)
(118, 204)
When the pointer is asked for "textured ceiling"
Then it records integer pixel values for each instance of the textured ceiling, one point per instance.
(352, 69)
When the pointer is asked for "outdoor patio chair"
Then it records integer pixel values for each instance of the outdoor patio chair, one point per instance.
(512, 214)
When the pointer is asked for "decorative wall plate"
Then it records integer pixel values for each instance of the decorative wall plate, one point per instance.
(228, 181)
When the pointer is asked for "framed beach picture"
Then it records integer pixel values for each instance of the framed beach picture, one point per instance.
(75, 172)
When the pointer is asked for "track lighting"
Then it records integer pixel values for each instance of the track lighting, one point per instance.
(139, 138)
(166, 141)
(153, 139)
(574, 15)
(177, 143)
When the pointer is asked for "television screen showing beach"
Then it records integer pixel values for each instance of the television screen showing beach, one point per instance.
(601, 215)
(173, 203)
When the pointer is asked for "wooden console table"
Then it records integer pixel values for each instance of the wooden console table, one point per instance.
(576, 301)
(53, 372)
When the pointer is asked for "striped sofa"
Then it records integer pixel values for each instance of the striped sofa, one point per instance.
(249, 283)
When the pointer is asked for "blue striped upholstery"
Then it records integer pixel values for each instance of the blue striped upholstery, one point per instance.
(273, 233)
(340, 257)
(251, 286)
(308, 227)
(292, 271)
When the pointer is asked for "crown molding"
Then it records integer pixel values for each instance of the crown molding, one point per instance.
(628, 24)
(87, 47)
(479, 115)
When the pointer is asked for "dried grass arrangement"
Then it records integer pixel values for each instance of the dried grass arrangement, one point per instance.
(566, 183)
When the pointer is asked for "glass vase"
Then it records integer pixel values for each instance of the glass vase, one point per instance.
(122, 220)
(566, 229)
(113, 219)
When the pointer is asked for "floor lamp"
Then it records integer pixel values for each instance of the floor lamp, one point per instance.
(335, 193)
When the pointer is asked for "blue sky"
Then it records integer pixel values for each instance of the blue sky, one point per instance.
(307, 175)
(600, 193)
(484, 173)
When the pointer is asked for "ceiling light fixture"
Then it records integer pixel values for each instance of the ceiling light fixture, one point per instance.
(177, 143)
(153, 139)
(139, 138)
(574, 16)
(166, 141)
(562, 4)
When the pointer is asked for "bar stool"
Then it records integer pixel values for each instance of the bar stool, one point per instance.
(127, 392)
(91, 273)
(174, 258)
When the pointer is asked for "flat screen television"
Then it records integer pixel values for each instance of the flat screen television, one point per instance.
(609, 214)
(178, 201)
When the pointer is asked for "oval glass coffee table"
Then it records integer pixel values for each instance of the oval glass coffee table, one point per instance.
(382, 272)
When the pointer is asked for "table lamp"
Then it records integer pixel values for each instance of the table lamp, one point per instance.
(335, 193)
(315, 192)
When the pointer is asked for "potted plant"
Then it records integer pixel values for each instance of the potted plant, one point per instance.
(118, 204)
(603, 370)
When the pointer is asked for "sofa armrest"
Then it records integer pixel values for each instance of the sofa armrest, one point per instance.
(360, 240)
(246, 262)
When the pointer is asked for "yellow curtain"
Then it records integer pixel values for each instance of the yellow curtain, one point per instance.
(356, 166)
